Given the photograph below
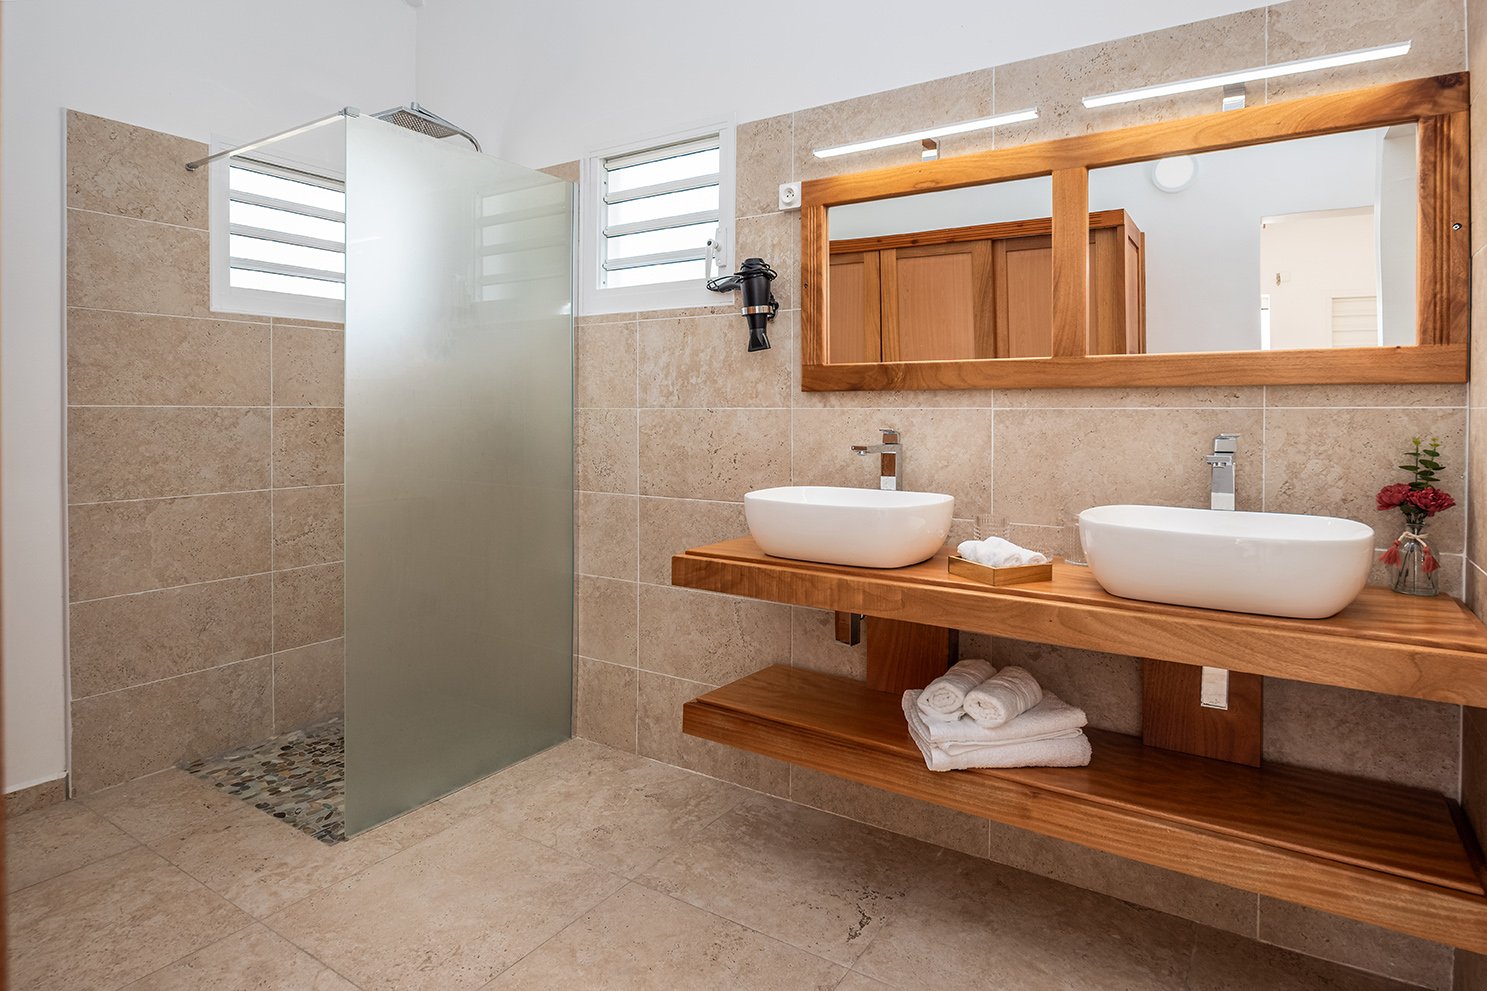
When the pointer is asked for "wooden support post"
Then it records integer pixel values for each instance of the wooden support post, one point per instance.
(904, 655)
(1173, 719)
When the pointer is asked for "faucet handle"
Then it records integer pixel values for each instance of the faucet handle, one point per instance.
(890, 435)
(1226, 444)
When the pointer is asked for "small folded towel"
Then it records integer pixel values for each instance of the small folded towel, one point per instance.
(1002, 698)
(943, 697)
(994, 552)
(1050, 719)
(1065, 751)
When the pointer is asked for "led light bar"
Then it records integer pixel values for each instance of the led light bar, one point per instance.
(1249, 75)
(933, 132)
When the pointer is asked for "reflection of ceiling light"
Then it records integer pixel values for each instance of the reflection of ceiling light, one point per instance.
(1172, 175)
(1249, 75)
(933, 132)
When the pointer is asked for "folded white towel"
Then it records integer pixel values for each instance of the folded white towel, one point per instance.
(1050, 719)
(994, 552)
(1002, 698)
(946, 694)
(1065, 751)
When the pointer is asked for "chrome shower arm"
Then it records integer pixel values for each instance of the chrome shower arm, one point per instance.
(292, 132)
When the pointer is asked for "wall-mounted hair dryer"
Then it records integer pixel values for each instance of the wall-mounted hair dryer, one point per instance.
(759, 305)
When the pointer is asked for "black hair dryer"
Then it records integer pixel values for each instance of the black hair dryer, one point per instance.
(759, 305)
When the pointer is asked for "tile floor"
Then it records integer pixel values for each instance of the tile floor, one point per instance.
(582, 867)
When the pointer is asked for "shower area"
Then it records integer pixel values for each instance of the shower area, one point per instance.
(455, 481)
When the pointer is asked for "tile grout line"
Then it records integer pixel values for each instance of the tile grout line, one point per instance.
(635, 735)
(208, 581)
(186, 674)
(139, 220)
(203, 495)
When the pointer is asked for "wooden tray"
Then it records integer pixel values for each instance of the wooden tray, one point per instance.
(1019, 575)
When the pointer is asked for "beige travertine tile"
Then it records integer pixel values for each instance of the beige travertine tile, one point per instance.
(131, 639)
(1384, 737)
(252, 960)
(115, 263)
(606, 363)
(607, 535)
(813, 645)
(1051, 464)
(136, 546)
(1106, 686)
(134, 172)
(604, 702)
(711, 638)
(1476, 389)
(813, 880)
(615, 810)
(1223, 962)
(1129, 880)
(1476, 463)
(704, 361)
(1474, 768)
(605, 448)
(763, 150)
(945, 450)
(595, 319)
(308, 447)
(1471, 971)
(151, 452)
(449, 914)
(887, 810)
(58, 839)
(308, 605)
(410, 828)
(309, 526)
(1175, 397)
(1398, 396)
(160, 805)
(641, 939)
(35, 798)
(670, 526)
(608, 620)
(125, 359)
(1379, 951)
(775, 237)
(660, 736)
(1334, 461)
(110, 923)
(309, 684)
(311, 324)
(125, 734)
(859, 982)
(712, 453)
(568, 171)
(309, 366)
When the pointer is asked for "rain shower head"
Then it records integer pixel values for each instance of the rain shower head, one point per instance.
(416, 118)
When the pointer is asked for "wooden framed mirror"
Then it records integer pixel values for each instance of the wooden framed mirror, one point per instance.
(1320, 240)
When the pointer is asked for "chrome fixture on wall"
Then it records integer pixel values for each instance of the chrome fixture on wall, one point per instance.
(759, 303)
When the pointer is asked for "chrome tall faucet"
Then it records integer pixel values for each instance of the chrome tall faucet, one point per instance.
(1221, 490)
(891, 460)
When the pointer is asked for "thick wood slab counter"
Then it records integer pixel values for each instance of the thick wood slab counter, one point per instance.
(1387, 643)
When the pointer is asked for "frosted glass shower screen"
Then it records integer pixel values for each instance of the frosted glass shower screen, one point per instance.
(459, 467)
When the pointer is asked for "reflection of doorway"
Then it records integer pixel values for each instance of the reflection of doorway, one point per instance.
(1318, 269)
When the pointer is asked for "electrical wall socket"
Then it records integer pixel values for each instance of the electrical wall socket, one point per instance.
(789, 196)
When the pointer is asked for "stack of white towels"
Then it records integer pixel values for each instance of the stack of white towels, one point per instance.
(976, 716)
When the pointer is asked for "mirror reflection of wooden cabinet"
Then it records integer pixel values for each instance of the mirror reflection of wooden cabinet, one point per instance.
(979, 292)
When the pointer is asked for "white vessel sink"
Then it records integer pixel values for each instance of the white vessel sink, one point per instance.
(868, 528)
(1274, 564)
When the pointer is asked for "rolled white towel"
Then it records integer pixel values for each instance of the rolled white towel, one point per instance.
(1002, 698)
(946, 694)
(1072, 750)
(994, 552)
(1052, 718)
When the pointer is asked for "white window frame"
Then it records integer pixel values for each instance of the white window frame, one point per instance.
(593, 296)
(227, 298)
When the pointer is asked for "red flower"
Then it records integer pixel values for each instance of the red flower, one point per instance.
(1428, 500)
(1391, 496)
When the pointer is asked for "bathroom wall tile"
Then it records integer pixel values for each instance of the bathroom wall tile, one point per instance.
(1474, 768)
(115, 263)
(604, 703)
(1174, 397)
(605, 358)
(134, 172)
(308, 605)
(1476, 501)
(35, 798)
(309, 366)
(711, 453)
(608, 620)
(704, 361)
(157, 543)
(131, 639)
(1476, 389)
(1224, 962)
(605, 447)
(125, 359)
(886, 810)
(1369, 948)
(775, 237)
(1471, 971)
(945, 450)
(670, 526)
(764, 154)
(568, 171)
(1306, 28)
(129, 733)
(606, 535)
(309, 447)
(309, 526)
(151, 452)
(711, 638)
(659, 736)
(595, 319)
(1051, 464)
(1384, 737)
(813, 645)
(309, 685)
(1106, 686)
(1371, 396)
(1333, 461)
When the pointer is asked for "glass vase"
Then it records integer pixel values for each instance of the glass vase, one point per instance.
(1417, 571)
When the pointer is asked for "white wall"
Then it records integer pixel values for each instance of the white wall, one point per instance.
(187, 67)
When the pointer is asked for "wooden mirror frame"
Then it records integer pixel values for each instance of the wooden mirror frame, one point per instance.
(1438, 105)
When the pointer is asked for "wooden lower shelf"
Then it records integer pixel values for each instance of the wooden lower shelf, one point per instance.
(1386, 855)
